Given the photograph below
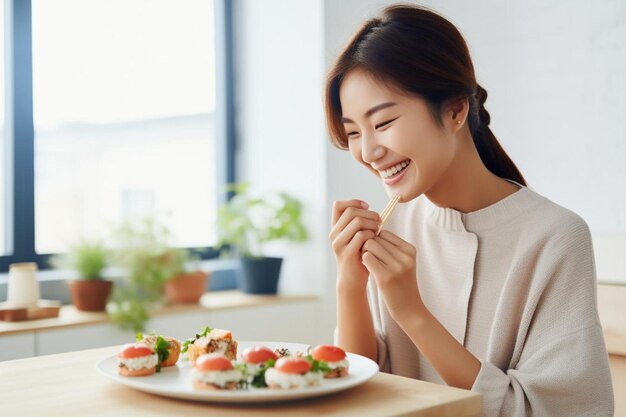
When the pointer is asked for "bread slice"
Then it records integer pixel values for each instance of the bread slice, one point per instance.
(217, 340)
(204, 386)
(124, 371)
(337, 373)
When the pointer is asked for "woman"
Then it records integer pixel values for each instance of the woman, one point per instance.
(476, 281)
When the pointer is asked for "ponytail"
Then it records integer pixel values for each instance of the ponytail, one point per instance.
(491, 152)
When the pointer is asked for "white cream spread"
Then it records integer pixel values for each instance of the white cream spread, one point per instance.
(285, 381)
(339, 364)
(139, 363)
(219, 378)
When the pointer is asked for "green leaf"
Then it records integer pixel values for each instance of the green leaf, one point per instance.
(246, 222)
(318, 366)
(161, 350)
(88, 258)
(203, 332)
(259, 379)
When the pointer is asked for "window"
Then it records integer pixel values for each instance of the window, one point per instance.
(126, 115)
(3, 151)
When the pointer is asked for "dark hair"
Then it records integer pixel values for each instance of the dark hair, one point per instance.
(420, 52)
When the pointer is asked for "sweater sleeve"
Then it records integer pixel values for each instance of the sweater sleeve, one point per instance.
(563, 367)
(567, 377)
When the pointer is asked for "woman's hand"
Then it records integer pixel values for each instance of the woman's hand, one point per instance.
(352, 226)
(392, 263)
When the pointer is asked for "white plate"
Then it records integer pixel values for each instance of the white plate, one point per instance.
(175, 381)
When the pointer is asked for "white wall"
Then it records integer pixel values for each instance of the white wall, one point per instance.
(280, 127)
(556, 76)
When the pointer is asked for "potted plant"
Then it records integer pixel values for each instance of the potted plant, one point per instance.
(88, 258)
(185, 285)
(150, 268)
(247, 222)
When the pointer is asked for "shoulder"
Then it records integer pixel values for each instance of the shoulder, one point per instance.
(556, 243)
(556, 224)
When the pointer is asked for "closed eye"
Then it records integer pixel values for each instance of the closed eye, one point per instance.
(351, 134)
(383, 124)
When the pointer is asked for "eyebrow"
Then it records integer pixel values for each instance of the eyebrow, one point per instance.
(371, 111)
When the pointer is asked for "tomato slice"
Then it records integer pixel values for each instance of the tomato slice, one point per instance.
(258, 354)
(213, 362)
(293, 365)
(135, 350)
(328, 353)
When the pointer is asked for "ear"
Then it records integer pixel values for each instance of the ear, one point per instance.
(455, 113)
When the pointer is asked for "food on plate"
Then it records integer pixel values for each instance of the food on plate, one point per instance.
(283, 351)
(257, 359)
(137, 359)
(334, 357)
(214, 371)
(166, 348)
(292, 372)
(258, 355)
(211, 341)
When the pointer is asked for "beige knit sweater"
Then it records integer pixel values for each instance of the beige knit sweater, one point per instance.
(515, 284)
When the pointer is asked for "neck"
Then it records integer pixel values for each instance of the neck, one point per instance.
(468, 185)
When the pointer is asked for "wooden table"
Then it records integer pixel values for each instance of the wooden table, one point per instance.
(68, 384)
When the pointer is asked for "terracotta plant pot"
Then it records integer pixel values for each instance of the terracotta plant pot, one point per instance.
(90, 295)
(186, 288)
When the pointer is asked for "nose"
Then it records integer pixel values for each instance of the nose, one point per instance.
(371, 150)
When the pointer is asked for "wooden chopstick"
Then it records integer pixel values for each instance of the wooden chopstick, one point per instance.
(384, 215)
(390, 206)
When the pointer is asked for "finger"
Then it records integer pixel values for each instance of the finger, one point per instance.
(340, 206)
(341, 238)
(382, 254)
(395, 251)
(348, 217)
(373, 265)
(398, 242)
(359, 239)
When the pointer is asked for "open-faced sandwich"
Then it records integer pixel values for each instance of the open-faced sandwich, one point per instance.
(137, 359)
(257, 360)
(166, 348)
(211, 341)
(334, 357)
(214, 371)
(292, 372)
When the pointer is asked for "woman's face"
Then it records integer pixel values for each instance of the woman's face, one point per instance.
(395, 136)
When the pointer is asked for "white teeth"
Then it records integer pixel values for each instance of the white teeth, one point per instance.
(394, 169)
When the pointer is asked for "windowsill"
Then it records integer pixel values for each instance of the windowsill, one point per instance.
(211, 301)
(64, 275)
(52, 282)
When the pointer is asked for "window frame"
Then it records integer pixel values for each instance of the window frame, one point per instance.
(19, 129)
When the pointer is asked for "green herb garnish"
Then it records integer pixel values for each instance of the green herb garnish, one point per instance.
(203, 332)
(259, 379)
(318, 366)
(160, 347)
(241, 367)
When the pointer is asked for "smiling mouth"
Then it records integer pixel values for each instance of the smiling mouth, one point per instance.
(395, 170)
